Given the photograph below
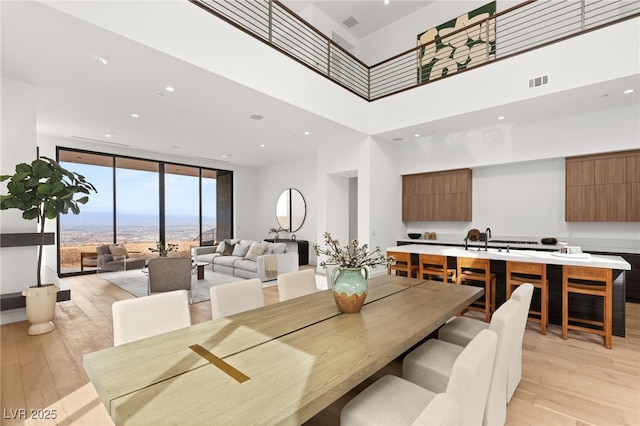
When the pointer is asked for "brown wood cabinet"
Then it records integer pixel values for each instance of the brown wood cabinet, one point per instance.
(437, 196)
(603, 187)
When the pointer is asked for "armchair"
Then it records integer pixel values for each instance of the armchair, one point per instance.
(107, 261)
(169, 273)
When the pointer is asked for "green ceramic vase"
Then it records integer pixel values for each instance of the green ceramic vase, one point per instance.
(350, 288)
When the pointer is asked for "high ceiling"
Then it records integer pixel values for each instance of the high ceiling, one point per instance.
(206, 116)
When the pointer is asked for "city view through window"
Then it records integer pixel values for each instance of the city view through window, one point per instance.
(139, 203)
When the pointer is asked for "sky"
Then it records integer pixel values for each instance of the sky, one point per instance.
(137, 191)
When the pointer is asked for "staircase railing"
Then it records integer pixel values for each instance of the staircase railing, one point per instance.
(530, 25)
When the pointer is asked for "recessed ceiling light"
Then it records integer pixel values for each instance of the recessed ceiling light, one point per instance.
(103, 60)
(108, 135)
(261, 145)
(417, 135)
(501, 117)
(306, 133)
(606, 95)
(397, 139)
(160, 95)
(134, 115)
(169, 89)
(626, 92)
(256, 117)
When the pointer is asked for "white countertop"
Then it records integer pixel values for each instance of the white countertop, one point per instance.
(587, 244)
(534, 256)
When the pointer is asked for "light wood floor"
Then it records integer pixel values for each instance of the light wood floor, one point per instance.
(573, 382)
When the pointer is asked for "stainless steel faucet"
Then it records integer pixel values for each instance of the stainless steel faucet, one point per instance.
(487, 235)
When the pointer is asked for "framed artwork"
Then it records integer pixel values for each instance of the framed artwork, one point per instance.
(442, 53)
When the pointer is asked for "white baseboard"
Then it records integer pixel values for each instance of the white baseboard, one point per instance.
(13, 315)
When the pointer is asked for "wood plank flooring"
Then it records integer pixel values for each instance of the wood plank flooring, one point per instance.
(565, 382)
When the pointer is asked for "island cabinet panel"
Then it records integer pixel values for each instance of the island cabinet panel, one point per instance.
(438, 196)
(603, 187)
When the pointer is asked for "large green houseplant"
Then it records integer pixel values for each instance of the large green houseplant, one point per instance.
(43, 190)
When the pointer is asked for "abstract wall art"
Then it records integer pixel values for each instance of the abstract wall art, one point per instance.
(442, 53)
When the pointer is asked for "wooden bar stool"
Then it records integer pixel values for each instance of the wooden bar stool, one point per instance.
(403, 264)
(435, 265)
(592, 282)
(519, 273)
(479, 270)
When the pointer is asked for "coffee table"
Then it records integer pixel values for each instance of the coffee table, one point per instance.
(200, 269)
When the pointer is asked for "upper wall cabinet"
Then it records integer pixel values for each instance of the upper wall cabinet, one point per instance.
(603, 187)
(438, 196)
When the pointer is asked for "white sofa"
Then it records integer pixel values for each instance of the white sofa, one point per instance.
(237, 260)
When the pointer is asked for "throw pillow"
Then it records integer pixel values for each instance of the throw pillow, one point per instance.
(240, 250)
(220, 248)
(257, 249)
(118, 251)
(278, 248)
(228, 249)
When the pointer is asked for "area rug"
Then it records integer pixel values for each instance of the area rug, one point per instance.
(135, 282)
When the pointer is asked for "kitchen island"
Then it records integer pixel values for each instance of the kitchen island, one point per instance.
(590, 307)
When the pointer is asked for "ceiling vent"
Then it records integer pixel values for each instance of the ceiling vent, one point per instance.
(350, 22)
(538, 81)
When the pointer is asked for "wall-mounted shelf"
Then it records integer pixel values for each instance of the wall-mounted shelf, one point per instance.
(25, 239)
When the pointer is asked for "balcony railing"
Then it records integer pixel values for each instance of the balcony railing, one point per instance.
(527, 26)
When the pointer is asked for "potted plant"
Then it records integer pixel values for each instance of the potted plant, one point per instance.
(164, 249)
(43, 190)
(349, 280)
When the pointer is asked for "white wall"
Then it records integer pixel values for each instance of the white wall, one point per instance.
(17, 264)
(270, 182)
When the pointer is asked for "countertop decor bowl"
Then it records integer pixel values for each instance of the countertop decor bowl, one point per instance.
(414, 236)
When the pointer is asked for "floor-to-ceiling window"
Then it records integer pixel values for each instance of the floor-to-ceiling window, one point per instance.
(137, 207)
(181, 206)
(141, 203)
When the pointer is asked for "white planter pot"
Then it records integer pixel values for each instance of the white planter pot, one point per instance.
(41, 308)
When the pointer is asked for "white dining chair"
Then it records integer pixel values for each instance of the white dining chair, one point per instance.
(396, 401)
(461, 330)
(135, 319)
(431, 364)
(296, 284)
(235, 297)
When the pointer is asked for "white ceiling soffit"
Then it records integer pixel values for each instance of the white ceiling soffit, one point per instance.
(370, 15)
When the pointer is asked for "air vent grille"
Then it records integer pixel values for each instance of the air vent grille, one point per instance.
(350, 22)
(538, 81)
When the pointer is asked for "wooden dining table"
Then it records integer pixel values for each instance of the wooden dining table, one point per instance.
(279, 364)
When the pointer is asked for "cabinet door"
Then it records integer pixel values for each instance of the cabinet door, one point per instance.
(580, 172)
(633, 202)
(610, 170)
(602, 187)
(438, 196)
(580, 203)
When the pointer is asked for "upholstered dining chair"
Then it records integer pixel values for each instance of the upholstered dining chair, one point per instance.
(169, 273)
(461, 330)
(431, 364)
(296, 284)
(135, 319)
(395, 401)
(239, 296)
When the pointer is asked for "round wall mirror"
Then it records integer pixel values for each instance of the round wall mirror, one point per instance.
(291, 210)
